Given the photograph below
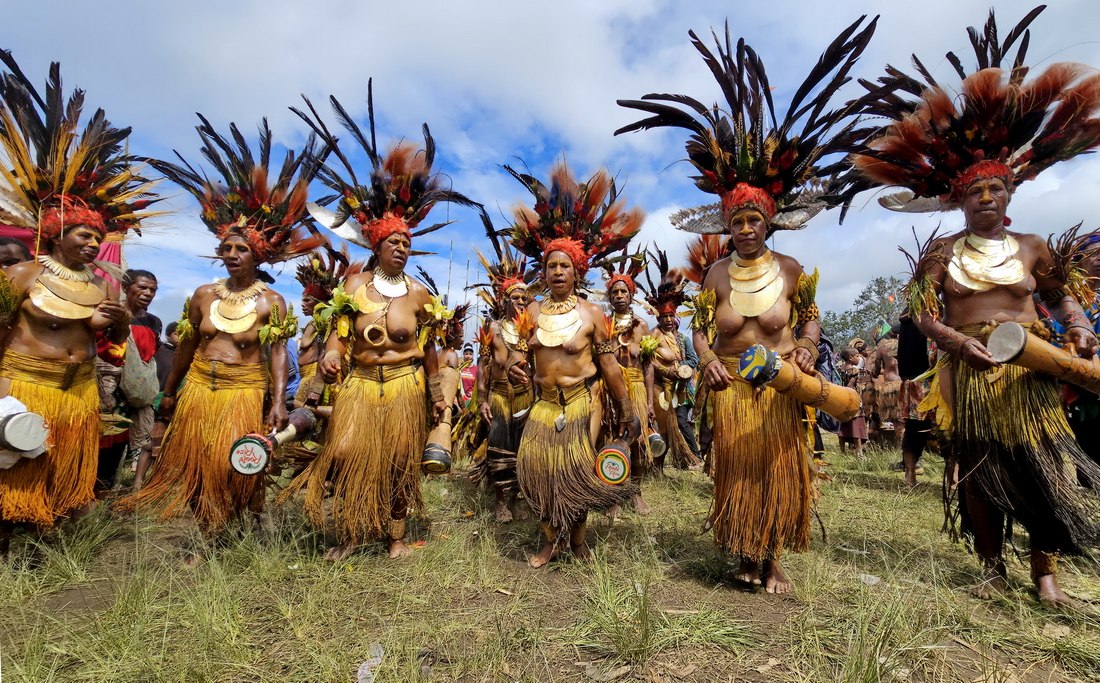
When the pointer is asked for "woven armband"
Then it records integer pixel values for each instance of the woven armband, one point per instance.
(605, 347)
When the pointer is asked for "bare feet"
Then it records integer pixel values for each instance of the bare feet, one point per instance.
(640, 506)
(775, 580)
(615, 513)
(547, 554)
(994, 582)
(581, 551)
(502, 512)
(399, 549)
(193, 559)
(748, 573)
(911, 478)
(1051, 593)
(339, 552)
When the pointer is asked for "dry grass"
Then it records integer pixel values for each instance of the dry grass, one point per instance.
(882, 598)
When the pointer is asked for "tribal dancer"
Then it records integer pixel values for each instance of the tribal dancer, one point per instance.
(629, 332)
(673, 368)
(233, 333)
(380, 419)
(319, 274)
(764, 478)
(502, 403)
(73, 189)
(1015, 454)
(572, 355)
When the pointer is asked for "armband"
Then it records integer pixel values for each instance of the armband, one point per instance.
(279, 328)
(809, 345)
(435, 388)
(706, 358)
(9, 301)
(803, 307)
(184, 328)
(605, 347)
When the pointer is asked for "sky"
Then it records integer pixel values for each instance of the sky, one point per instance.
(507, 82)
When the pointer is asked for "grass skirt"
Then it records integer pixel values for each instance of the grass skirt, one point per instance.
(763, 483)
(39, 490)
(641, 460)
(557, 469)
(668, 426)
(372, 452)
(306, 373)
(1014, 446)
(219, 403)
(889, 400)
(505, 430)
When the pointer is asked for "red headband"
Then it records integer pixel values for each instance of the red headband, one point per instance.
(745, 196)
(317, 292)
(667, 307)
(624, 278)
(571, 248)
(70, 212)
(986, 168)
(511, 283)
(379, 229)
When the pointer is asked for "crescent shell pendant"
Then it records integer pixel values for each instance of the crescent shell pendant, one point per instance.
(49, 302)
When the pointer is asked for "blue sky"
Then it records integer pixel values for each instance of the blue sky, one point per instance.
(497, 80)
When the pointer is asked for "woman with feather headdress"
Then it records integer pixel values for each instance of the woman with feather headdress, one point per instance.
(635, 356)
(371, 459)
(1015, 454)
(233, 333)
(572, 355)
(501, 402)
(319, 273)
(764, 172)
(73, 188)
(673, 366)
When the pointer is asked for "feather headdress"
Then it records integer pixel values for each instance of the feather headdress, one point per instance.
(52, 173)
(507, 271)
(247, 198)
(397, 196)
(670, 290)
(320, 272)
(587, 221)
(1001, 124)
(743, 152)
(449, 322)
(627, 270)
(703, 252)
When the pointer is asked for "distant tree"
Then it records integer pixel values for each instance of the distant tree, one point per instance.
(880, 301)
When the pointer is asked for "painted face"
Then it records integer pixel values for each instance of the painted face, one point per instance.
(560, 274)
(985, 203)
(140, 293)
(518, 298)
(668, 322)
(237, 256)
(79, 244)
(393, 253)
(749, 230)
(309, 303)
(620, 297)
(10, 254)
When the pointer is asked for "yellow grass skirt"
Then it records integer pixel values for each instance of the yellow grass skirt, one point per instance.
(1014, 446)
(668, 426)
(641, 460)
(557, 469)
(219, 403)
(306, 373)
(39, 490)
(763, 483)
(372, 452)
(505, 430)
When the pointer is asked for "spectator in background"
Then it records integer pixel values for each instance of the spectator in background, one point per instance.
(13, 251)
(166, 353)
(468, 371)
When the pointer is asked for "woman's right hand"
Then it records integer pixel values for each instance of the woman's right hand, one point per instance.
(329, 367)
(517, 374)
(166, 408)
(717, 376)
(486, 413)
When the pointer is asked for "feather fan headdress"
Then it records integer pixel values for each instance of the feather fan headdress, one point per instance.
(450, 320)
(247, 199)
(747, 156)
(703, 252)
(507, 271)
(670, 291)
(1000, 125)
(54, 175)
(397, 196)
(587, 221)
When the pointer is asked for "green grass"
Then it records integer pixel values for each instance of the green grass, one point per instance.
(882, 598)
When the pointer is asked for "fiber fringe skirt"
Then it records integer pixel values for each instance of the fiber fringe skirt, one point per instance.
(641, 460)
(219, 403)
(763, 482)
(557, 468)
(1012, 442)
(505, 430)
(668, 425)
(372, 452)
(39, 490)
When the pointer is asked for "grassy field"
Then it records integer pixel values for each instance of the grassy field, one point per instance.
(882, 598)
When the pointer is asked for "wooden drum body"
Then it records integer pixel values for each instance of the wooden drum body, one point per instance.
(759, 366)
(1012, 343)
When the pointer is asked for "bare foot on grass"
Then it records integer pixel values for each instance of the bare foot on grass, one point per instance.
(502, 512)
(1051, 593)
(399, 549)
(640, 506)
(994, 582)
(775, 579)
(547, 554)
(748, 573)
(338, 552)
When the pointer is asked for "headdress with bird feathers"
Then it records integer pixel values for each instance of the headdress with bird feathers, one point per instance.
(52, 173)
(320, 272)
(670, 290)
(744, 153)
(507, 270)
(249, 198)
(587, 221)
(395, 198)
(703, 252)
(627, 270)
(1001, 124)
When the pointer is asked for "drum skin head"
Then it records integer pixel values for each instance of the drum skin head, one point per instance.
(613, 463)
(757, 365)
(1007, 342)
(25, 431)
(249, 455)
